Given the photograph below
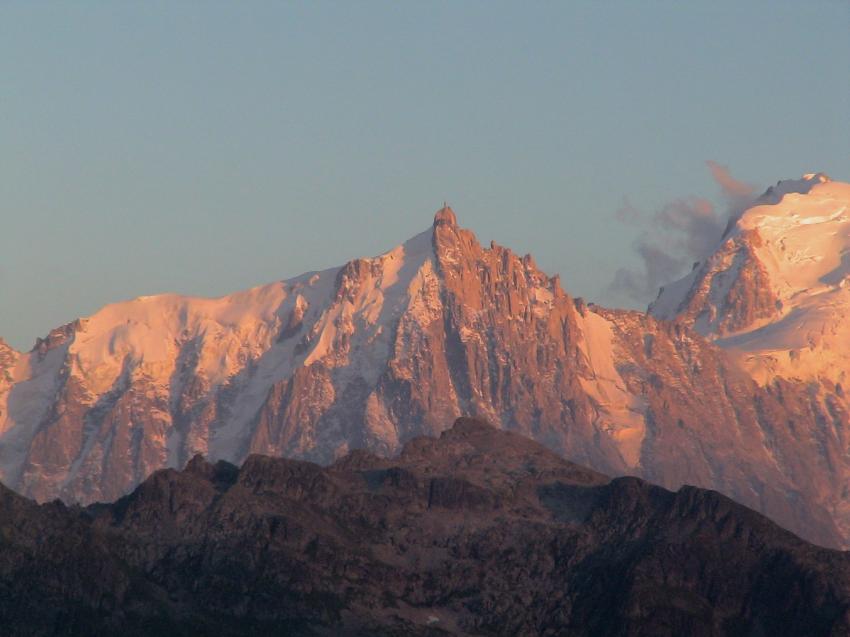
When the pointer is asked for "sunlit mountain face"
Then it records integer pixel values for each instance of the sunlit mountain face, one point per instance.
(732, 381)
(775, 292)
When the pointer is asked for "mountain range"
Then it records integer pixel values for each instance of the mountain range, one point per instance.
(478, 531)
(733, 381)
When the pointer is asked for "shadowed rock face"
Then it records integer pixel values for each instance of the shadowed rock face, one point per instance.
(476, 532)
(382, 350)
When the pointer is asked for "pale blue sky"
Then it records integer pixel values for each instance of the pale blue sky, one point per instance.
(203, 148)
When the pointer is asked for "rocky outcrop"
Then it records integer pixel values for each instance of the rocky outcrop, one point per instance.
(477, 532)
(774, 293)
(728, 292)
(382, 350)
(8, 362)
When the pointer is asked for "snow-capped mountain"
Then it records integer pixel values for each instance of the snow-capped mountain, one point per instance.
(776, 293)
(383, 349)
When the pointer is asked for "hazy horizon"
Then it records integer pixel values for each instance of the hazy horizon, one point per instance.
(203, 149)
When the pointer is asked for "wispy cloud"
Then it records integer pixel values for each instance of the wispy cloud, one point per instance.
(738, 195)
(657, 266)
(683, 231)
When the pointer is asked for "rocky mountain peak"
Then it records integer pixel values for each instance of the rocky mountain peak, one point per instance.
(469, 427)
(775, 292)
(819, 177)
(445, 216)
(7, 354)
(382, 351)
(800, 186)
(58, 337)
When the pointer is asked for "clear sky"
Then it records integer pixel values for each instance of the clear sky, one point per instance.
(206, 147)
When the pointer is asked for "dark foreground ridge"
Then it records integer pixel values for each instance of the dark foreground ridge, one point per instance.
(477, 532)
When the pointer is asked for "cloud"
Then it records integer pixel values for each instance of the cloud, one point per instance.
(683, 231)
(738, 195)
(627, 213)
(658, 266)
(731, 187)
(691, 226)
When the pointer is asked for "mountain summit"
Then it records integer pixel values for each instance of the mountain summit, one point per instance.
(445, 216)
(775, 293)
(383, 349)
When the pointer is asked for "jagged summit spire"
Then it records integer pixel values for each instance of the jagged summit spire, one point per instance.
(445, 216)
